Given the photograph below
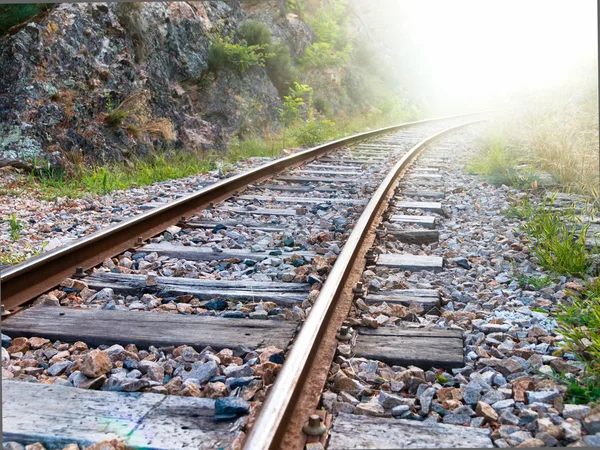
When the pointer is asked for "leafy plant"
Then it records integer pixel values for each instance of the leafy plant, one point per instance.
(320, 55)
(116, 117)
(537, 282)
(327, 23)
(223, 53)
(292, 103)
(15, 226)
(314, 132)
(255, 33)
(279, 66)
(558, 238)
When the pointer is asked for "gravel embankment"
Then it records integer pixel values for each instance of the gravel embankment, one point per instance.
(510, 343)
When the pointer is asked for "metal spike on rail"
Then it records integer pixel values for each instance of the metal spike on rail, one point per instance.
(371, 257)
(314, 427)
(359, 290)
(345, 334)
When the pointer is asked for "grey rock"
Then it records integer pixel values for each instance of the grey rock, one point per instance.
(230, 407)
(548, 439)
(508, 418)
(545, 396)
(592, 423)
(399, 410)
(464, 410)
(471, 395)
(238, 371)
(457, 419)
(502, 404)
(5, 357)
(492, 397)
(426, 398)
(390, 401)
(76, 378)
(12, 446)
(58, 368)
(576, 411)
(327, 400)
(572, 431)
(520, 436)
(6, 340)
(371, 408)
(593, 440)
(202, 371)
(132, 384)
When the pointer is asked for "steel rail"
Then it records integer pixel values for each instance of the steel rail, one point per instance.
(270, 426)
(23, 282)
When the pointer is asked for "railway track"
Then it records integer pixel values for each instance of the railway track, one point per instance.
(210, 322)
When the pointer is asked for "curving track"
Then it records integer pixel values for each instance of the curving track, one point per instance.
(329, 198)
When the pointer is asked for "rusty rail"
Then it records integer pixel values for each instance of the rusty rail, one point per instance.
(270, 427)
(23, 282)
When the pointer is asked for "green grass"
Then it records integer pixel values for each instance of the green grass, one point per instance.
(224, 53)
(502, 163)
(102, 179)
(579, 323)
(15, 226)
(558, 242)
(536, 282)
(559, 250)
(580, 391)
(557, 134)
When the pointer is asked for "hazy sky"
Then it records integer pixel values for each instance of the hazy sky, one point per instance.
(470, 51)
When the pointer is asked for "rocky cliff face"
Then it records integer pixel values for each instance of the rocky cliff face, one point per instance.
(108, 81)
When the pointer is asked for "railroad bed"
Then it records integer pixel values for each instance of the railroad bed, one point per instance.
(178, 341)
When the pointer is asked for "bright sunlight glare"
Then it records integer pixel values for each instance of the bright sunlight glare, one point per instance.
(473, 52)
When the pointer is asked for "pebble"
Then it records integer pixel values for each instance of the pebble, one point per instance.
(230, 407)
(507, 382)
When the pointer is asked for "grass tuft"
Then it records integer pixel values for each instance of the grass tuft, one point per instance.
(502, 163)
(532, 281)
(15, 226)
(558, 239)
(579, 323)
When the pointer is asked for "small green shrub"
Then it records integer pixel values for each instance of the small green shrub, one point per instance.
(279, 66)
(255, 33)
(501, 163)
(223, 53)
(579, 323)
(323, 106)
(116, 117)
(15, 226)
(292, 103)
(314, 132)
(532, 281)
(320, 55)
(558, 241)
(327, 23)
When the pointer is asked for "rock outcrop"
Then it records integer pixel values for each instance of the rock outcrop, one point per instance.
(106, 81)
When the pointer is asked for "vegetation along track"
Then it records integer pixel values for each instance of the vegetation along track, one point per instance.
(286, 247)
